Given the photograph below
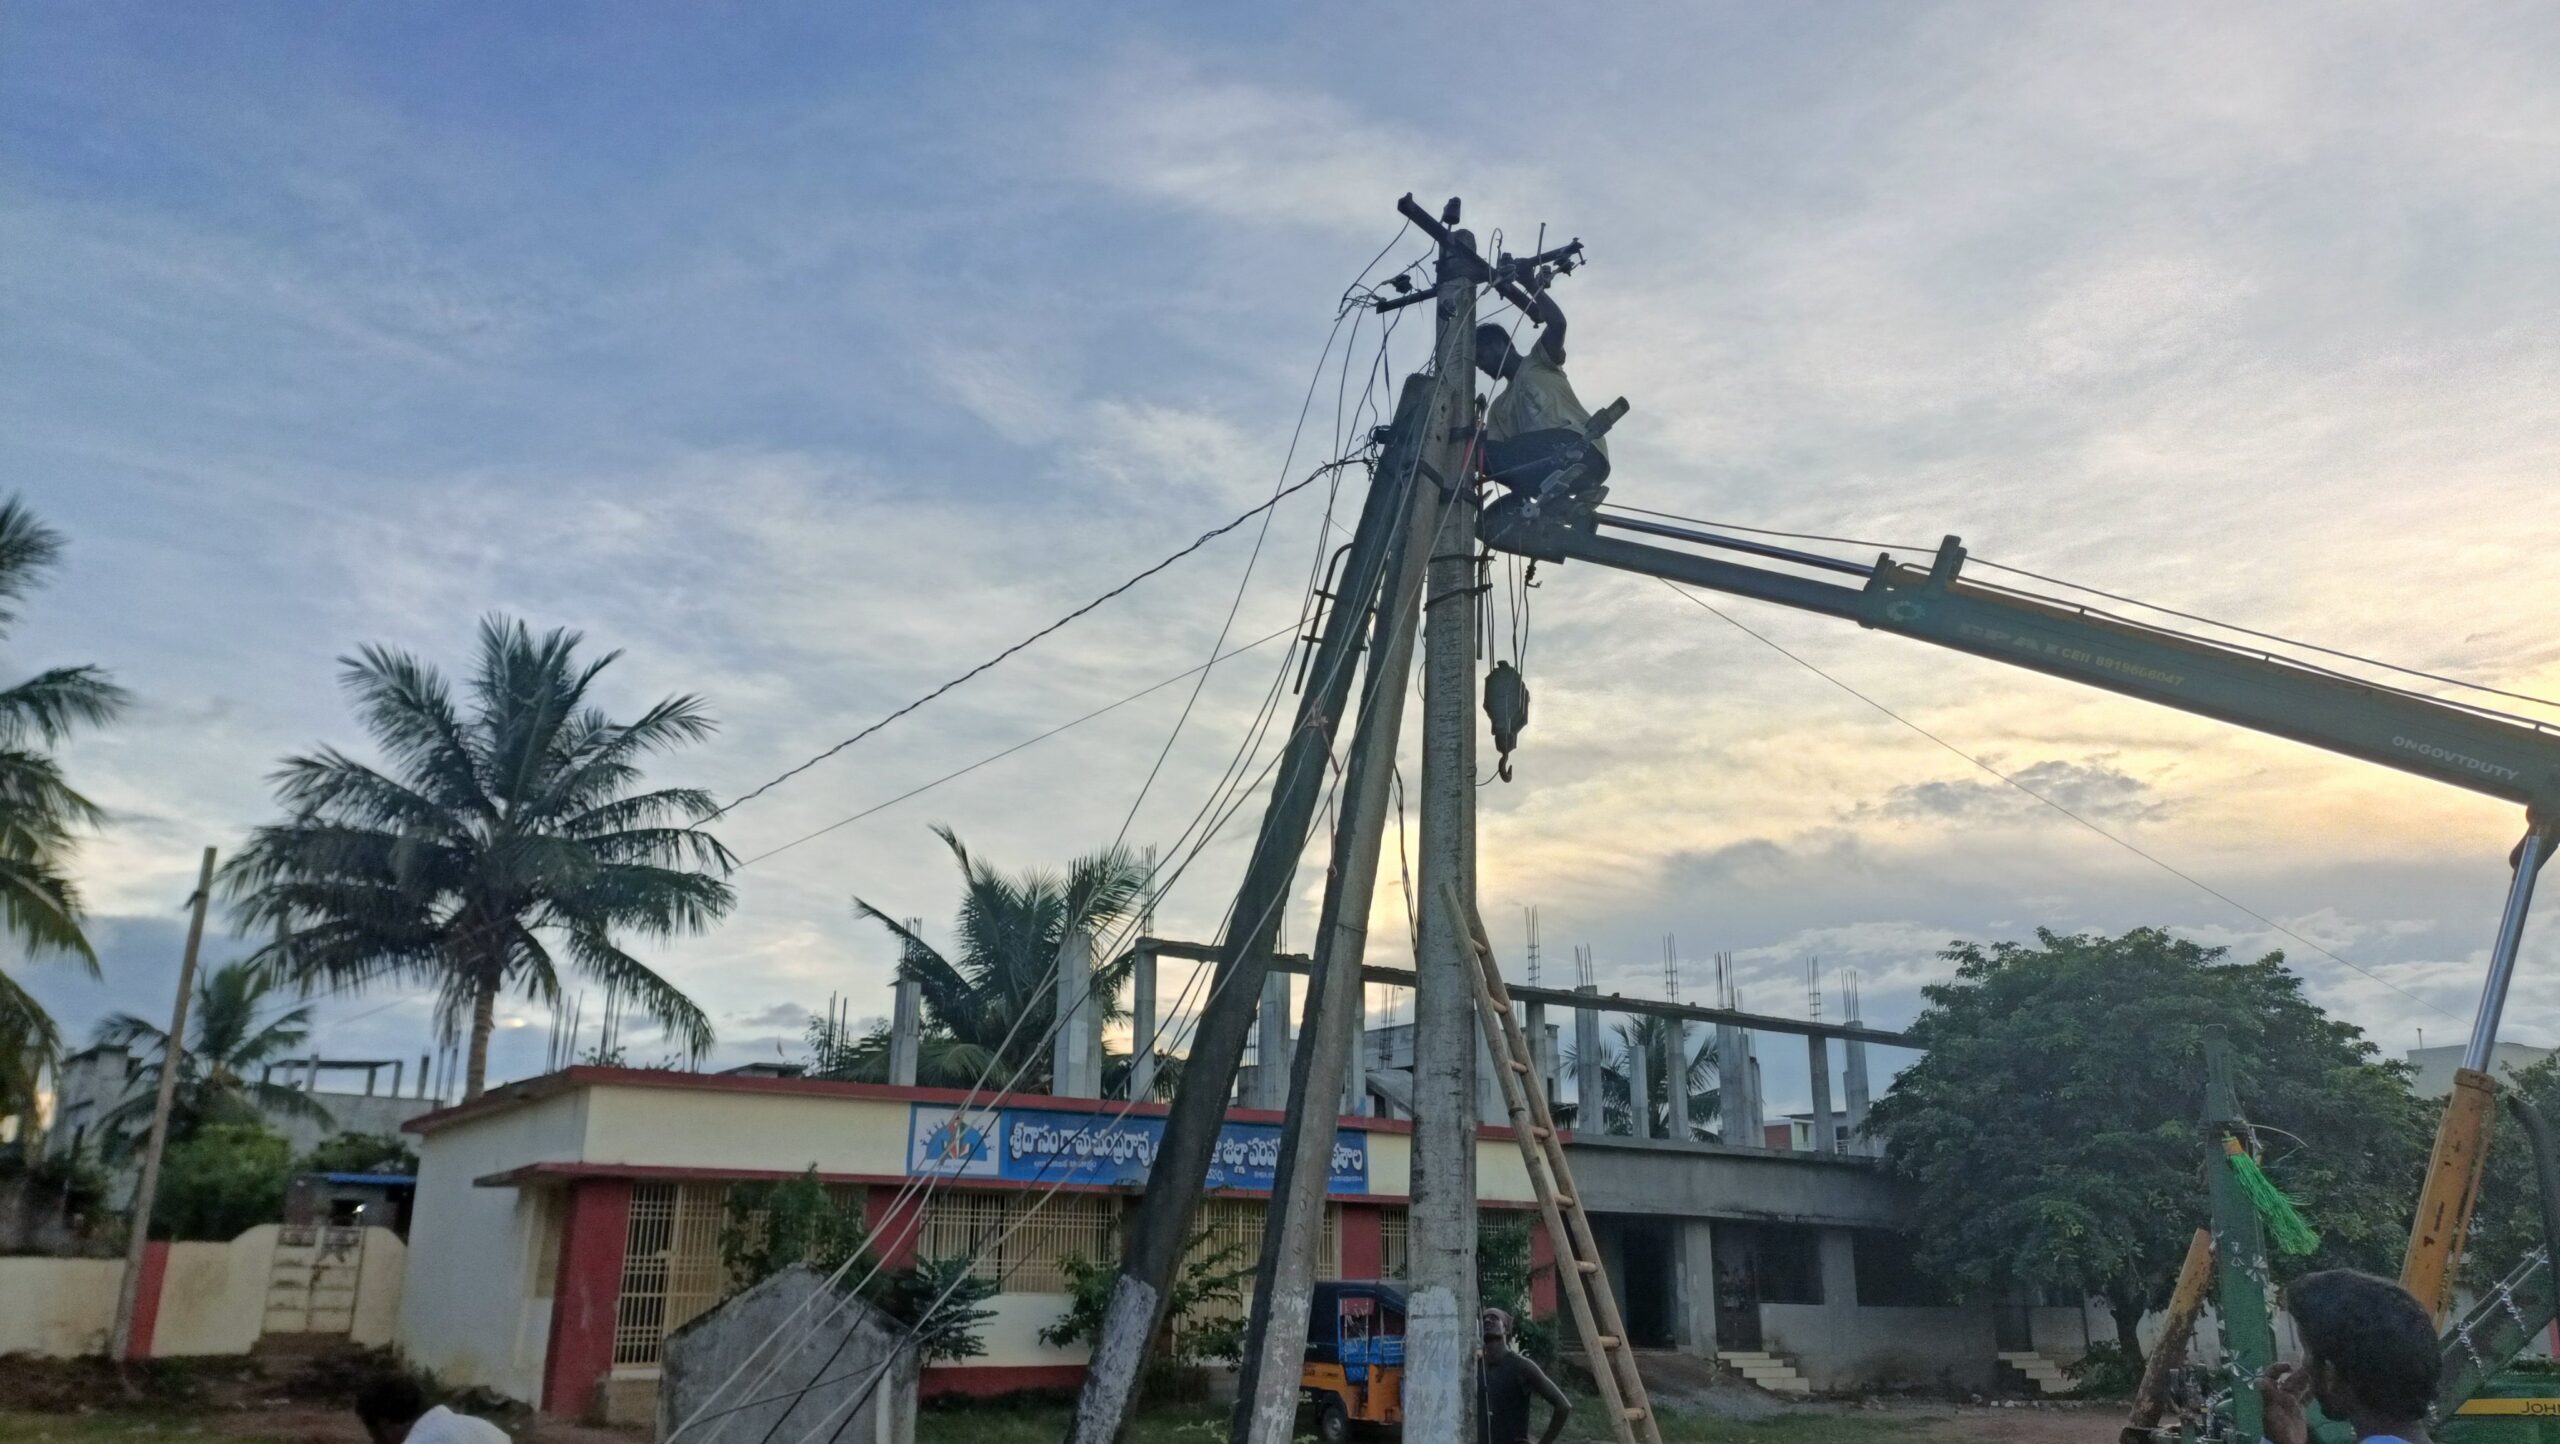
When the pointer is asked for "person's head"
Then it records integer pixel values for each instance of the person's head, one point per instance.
(388, 1405)
(2367, 1344)
(1496, 1326)
(1494, 354)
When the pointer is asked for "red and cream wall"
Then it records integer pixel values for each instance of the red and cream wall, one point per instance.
(565, 1223)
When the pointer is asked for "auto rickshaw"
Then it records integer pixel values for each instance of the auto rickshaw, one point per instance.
(1354, 1373)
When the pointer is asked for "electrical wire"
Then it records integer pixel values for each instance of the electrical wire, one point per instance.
(2191, 879)
(1194, 545)
(1276, 902)
(1161, 883)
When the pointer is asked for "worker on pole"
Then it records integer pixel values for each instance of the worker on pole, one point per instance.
(1539, 439)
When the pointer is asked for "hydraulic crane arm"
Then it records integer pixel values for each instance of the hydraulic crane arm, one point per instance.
(2469, 747)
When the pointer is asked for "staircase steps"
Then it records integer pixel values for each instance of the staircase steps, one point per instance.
(1769, 1371)
(2042, 1374)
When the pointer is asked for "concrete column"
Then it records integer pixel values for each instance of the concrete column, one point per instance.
(1759, 1099)
(1271, 1030)
(1142, 1024)
(1589, 1092)
(1694, 1248)
(1639, 1088)
(1817, 1052)
(399, 1069)
(1676, 1082)
(1854, 1075)
(1355, 1064)
(906, 1029)
(424, 1068)
(1071, 1054)
(1733, 1088)
(1541, 1058)
(311, 1075)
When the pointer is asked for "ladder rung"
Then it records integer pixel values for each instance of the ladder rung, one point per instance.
(1585, 1265)
(1539, 1131)
(1566, 1200)
(1609, 1341)
(1518, 1067)
(1634, 1414)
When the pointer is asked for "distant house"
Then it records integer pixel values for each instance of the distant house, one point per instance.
(92, 1082)
(2434, 1067)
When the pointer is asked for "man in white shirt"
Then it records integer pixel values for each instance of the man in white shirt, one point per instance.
(1539, 439)
(394, 1412)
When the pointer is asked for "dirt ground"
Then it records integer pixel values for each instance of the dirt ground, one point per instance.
(305, 1401)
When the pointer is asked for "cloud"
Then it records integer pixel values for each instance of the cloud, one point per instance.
(789, 1017)
(2093, 788)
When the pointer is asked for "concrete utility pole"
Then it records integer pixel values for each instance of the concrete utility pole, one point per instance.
(1160, 1227)
(1328, 1053)
(1440, 1324)
(172, 1058)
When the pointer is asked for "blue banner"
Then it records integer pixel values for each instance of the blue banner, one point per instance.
(1040, 1145)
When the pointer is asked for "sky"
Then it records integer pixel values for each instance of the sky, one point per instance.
(810, 355)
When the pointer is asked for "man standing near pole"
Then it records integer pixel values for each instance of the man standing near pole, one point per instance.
(128, 1298)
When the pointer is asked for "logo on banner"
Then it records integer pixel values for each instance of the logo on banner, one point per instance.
(960, 1143)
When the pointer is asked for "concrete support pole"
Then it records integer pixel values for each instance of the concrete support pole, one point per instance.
(906, 1029)
(1590, 1101)
(1758, 1099)
(1853, 1071)
(1271, 1032)
(1355, 1067)
(1817, 1052)
(1074, 1064)
(399, 1070)
(1733, 1088)
(1675, 1082)
(1541, 1057)
(1142, 1024)
(1327, 1061)
(1639, 1083)
(426, 1065)
(1440, 1322)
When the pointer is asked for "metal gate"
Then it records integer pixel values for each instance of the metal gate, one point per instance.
(311, 1287)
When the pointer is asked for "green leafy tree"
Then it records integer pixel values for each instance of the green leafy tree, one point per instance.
(993, 1002)
(489, 837)
(228, 1046)
(42, 816)
(225, 1180)
(2051, 1129)
(360, 1153)
(1655, 1037)
(1201, 1323)
(1506, 1276)
(769, 1227)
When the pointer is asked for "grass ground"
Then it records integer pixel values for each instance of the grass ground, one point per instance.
(302, 1425)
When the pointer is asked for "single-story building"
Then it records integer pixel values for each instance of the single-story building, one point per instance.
(566, 1224)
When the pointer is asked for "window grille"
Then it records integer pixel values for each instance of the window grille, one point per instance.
(671, 1267)
(1395, 1237)
(1019, 1239)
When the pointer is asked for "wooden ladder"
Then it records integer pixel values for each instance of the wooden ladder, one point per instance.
(1579, 1275)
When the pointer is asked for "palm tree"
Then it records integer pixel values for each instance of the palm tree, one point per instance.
(996, 1002)
(226, 1044)
(1654, 1036)
(487, 841)
(41, 816)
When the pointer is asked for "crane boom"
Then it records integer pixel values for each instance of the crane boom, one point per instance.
(2469, 747)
